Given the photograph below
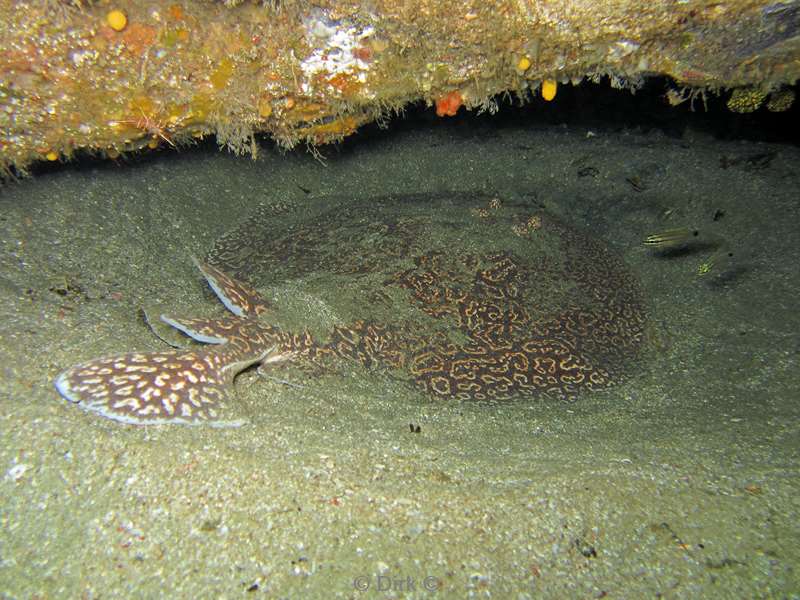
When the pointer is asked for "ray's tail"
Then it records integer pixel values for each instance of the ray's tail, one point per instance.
(187, 387)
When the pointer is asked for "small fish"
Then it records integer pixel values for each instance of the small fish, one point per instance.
(188, 387)
(678, 238)
(716, 262)
(671, 238)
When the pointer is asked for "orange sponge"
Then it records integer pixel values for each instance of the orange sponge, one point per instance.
(449, 104)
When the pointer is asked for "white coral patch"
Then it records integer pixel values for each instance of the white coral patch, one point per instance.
(333, 43)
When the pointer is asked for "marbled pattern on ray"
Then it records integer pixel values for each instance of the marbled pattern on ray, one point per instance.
(472, 297)
(436, 289)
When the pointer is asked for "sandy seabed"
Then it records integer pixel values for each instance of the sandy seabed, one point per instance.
(681, 482)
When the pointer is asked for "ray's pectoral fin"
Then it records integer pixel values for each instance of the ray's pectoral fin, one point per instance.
(238, 297)
(152, 388)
